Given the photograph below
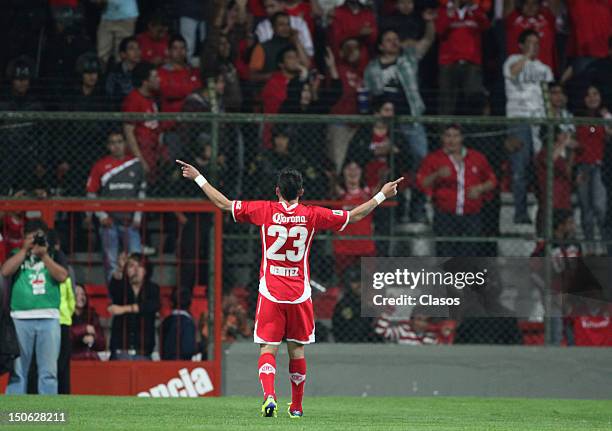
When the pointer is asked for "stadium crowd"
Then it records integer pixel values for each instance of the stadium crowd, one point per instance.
(521, 58)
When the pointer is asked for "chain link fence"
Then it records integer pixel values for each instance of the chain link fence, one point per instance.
(474, 186)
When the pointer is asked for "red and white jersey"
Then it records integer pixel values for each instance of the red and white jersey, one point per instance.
(286, 237)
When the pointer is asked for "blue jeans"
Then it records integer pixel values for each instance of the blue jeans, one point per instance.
(44, 335)
(130, 239)
(592, 198)
(415, 135)
(520, 163)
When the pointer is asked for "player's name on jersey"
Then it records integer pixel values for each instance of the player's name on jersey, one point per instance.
(284, 272)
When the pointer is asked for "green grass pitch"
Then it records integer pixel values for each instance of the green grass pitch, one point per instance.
(321, 413)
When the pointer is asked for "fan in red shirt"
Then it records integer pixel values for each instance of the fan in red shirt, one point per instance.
(353, 20)
(590, 28)
(154, 42)
(532, 15)
(353, 193)
(594, 326)
(457, 178)
(284, 307)
(143, 137)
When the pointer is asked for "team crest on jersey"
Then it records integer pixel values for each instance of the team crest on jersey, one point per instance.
(337, 212)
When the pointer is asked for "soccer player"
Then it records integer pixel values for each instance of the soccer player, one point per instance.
(284, 307)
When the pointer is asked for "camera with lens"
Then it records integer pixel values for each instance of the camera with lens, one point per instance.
(40, 239)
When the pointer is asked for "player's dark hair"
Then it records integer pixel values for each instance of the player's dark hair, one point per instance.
(290, 183)
(141, 73)
(34, 226)
(123, 45)
(525, 34)
(176, 38)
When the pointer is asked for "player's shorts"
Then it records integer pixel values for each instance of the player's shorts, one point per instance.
(276, 321)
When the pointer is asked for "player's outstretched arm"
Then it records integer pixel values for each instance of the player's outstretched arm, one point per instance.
(215, 196)
(388, 190)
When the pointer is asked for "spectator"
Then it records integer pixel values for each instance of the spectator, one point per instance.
(117, 176)
(524, 75)
(350, 71)
(446, 331)
(274, 92)
(265, 29)
(143, 137)
(305, 10)
(347, 324)
(458, 179)
(592, 327)
(531, 14)
(353, 20)
(589, 156)
(154, 42)
(414, 332)
(26, 143)
(353, 192)
(563, 163)
(599, 73)
(408, 25)
(135, 303)
(192, 24)
(37, 271)
(176, 81)
(590, 30)
(178, 330)
(236, 324)
(460, 26)
(558, 106)
(88, 96)
(265, 56)
(119, 80)
(394, 75)
(86, 333)
(117, 23)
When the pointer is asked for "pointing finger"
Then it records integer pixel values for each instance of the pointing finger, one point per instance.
(180, 162)
(399, 180)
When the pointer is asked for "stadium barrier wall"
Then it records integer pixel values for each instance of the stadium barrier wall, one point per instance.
(391, 370)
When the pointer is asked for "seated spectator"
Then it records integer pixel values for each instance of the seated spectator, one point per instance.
(558, 106)
(460, 26)
(532, 14)
(178, 330)
(192, 24)
(117, 23)
(590, 30)
(394, 75)
(176, 81)
(25, 147)
(457, 179)
(135, 303)
(592, 326)
(446, 331)
(524, 75)
(265, 29)
(143, 137)
(353, 20)
(154, 42)
(589, 156)
(117, 176)
(86, 334)
(563, 163)
(236, 324)
(350, 70)
(37, 271)
(267, 56)
(414, 332)
(353, 192)
(347, 324)
(119, 80)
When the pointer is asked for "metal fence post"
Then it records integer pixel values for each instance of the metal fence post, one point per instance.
(548, 236)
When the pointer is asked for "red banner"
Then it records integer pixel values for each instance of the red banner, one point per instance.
(142, 378)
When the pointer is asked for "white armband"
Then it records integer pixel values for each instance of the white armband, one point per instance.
(200, 180)
(379, 197)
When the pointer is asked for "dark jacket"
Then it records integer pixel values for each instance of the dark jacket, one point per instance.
(347, 324)
(178, 336)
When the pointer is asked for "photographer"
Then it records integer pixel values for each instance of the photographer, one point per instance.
(36, 272)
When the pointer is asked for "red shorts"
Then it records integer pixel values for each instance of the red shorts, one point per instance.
(275, 321)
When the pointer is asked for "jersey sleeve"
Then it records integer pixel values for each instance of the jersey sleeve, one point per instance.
(93, 181)
(253, 212)
(325, 218)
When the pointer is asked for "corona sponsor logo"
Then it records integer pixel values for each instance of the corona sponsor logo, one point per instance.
(279, 218)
